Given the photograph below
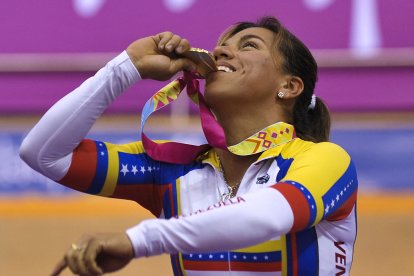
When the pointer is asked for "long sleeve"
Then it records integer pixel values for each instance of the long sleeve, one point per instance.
(239, 222)
(49, 145)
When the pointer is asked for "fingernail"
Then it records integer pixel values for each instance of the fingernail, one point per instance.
(179, 49)
(169, 47)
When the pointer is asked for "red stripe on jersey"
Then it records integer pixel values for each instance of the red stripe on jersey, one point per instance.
(294, 256)
(345, 209)
(149, 196)
(297, 202)
(206, 265)
(257, 267)
(82, 168)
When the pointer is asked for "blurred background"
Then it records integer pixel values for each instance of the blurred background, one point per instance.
(365, 51)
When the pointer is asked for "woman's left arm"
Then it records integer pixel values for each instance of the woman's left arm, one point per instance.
(238, 222)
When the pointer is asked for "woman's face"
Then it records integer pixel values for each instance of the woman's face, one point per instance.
(249, 70)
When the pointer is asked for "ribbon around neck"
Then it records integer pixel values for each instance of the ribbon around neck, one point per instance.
(181, 153)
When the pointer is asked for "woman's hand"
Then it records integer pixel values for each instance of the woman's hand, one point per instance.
(158, 57)
(97, 254)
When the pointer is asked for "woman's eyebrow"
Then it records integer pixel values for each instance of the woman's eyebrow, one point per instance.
(250, 36)
(244, 38)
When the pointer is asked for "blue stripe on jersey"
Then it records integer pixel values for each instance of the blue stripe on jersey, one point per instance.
(338, 194)
(284, 165)
(308, 254)
(101, 169)
(136, 169)
(168, 212)
(175, 199)
(175, 263)
(259, 257)
(309, 198)
(141, 169)
(218, 256)
(289, 261)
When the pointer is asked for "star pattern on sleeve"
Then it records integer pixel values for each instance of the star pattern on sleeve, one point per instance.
(235, 256)
(339, 197)
(129, 168)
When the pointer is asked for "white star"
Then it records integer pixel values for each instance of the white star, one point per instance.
(266, 257)
(102, 153)
(149, 169)
(337, 197)
(200, 256)
(143, 170)
(313, 206)
(124, 169)
(254, 258)
(327, 209)
(345, 189)
(342, 192)
(100, 144)
(244, 257)
(154, 168)
(332, 203)
(234, 257)
(210, 256)
(301, 188)
(191, 255)
(221, 256)
(134, 169)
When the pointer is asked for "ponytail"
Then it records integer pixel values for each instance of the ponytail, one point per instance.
(312, 124)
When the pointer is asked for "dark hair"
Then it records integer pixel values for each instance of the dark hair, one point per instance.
(312, 124)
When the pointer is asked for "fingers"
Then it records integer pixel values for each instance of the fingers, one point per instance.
(80, 259)
(75, 261)
(182, 64)
(59, 267)
(90, 256)
(171, 43)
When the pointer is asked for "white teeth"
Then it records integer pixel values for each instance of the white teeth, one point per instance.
(224, 69)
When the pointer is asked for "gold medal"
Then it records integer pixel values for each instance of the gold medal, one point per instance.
(203, 59)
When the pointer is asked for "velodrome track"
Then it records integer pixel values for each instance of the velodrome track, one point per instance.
(37, 225)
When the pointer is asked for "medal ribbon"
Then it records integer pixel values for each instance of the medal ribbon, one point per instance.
(181, 153)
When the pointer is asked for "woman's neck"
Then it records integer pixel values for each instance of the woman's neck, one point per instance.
(240, 124)
(238, 128)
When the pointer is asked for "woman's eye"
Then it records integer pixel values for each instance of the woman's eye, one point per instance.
(249, 44)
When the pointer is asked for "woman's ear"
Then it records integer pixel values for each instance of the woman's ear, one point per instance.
(292, 88)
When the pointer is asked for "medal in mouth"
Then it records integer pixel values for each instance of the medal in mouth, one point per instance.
(204, 60)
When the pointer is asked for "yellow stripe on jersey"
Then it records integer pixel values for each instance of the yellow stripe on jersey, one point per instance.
(178, 190)
(284, 255)
(133, 148)
(269, 246)
(113, 171)
(113, 164)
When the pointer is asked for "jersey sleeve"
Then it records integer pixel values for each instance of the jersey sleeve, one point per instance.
(321, 183)
(122, 171)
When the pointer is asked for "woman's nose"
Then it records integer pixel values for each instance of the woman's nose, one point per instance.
(223, 52)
